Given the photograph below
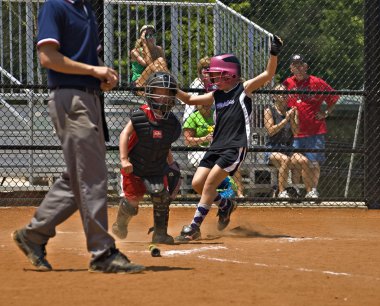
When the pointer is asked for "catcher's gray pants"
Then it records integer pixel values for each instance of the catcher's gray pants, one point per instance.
(77, 120)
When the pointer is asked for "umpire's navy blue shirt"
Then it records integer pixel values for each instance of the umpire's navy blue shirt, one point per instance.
(72, 26)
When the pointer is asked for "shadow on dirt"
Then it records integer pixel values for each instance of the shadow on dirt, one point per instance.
(166, 268)
(245, 232)
(56, 270)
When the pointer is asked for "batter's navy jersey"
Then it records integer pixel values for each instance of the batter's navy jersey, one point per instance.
(232, 123)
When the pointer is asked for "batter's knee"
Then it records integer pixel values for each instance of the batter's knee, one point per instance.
(197, 185)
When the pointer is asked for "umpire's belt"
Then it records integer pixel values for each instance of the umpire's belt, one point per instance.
(81, 88)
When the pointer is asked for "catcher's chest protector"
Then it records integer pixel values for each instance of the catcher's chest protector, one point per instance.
(149, 155)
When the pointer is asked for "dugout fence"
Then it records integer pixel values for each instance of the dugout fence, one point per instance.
(337, 41)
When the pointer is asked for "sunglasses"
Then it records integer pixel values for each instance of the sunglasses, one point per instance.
(148, 36)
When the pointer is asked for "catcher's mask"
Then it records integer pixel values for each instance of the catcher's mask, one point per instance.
(224, 69)
(160, 91)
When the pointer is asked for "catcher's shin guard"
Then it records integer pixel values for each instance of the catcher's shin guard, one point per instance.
(124, 215)
(161, 218)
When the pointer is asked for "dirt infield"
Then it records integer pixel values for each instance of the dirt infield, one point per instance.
(267, 256)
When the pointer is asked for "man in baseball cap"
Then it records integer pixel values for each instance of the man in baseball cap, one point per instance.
(297, 59)
(312, 117)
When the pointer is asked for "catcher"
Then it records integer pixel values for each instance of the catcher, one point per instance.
(147, 164)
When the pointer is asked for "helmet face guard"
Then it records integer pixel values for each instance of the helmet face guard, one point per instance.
(224, 70)
(160, 91)
(214, 78)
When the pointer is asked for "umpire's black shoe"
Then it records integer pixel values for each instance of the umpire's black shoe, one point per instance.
(113, 261)
(36, 253)
(225, 215)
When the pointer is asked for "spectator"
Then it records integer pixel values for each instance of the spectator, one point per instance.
(197, 131)
(146, 57)
(282, 124)
(198, 83)
(312, 118)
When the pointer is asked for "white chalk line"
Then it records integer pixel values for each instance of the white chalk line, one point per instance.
(257, 264)
(222, 260)
(78, 251)
(173, 253)
(68, 232)
(333, 273)
(295, 239)
(191, 251)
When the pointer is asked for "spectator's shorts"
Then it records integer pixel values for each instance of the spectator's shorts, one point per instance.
(311, 142)
(267, 155)
(227, 159)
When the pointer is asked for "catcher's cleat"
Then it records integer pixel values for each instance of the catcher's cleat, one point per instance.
(225, 215)
(162, 238)
(113, 261)
(36, 253)
(188, 234)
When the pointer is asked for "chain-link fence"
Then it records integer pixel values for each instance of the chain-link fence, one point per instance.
(340, 165)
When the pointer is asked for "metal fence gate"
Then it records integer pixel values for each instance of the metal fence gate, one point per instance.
(330, 36)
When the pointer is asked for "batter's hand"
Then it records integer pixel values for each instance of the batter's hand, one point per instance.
(276, 45)
(127, 167)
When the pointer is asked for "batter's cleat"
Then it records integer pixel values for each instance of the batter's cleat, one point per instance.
(113, 261)
(162, 238)
(225, 215)
(120, 231)
(36, 253)
(188, 234)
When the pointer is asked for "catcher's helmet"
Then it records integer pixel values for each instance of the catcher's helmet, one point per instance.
(225, 66)
(160, 91)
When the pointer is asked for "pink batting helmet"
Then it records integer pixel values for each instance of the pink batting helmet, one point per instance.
(228, 67)
(226, 63)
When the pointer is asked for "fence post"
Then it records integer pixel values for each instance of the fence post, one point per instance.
(174, 26)
(108, 34)
(372, 100)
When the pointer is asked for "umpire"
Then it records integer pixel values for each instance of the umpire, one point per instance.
(67, 45)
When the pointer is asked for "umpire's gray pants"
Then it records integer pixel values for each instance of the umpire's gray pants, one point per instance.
(76, 116)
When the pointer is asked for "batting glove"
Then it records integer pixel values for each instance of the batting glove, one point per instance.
(276, 45)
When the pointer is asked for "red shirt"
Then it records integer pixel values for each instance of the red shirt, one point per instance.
(309, 105)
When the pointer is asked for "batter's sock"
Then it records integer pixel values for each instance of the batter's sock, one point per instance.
(200, 215)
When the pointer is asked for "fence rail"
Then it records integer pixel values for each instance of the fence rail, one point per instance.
(188, 31)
